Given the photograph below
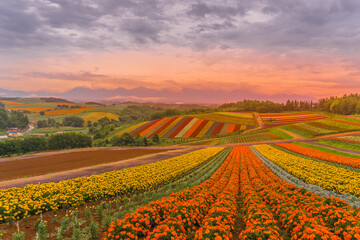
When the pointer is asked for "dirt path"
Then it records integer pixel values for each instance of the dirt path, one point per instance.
(260, 122)
(295, 136)
(87, 171)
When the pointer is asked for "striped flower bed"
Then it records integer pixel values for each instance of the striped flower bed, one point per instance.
(285, 118)
(184, 127)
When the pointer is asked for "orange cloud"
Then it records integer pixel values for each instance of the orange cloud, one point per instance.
(299, 72)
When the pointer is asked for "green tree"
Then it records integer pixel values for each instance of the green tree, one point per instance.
(73, 121)
(334, 106)
(156, 139)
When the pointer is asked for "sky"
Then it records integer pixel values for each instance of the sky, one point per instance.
(266, 47)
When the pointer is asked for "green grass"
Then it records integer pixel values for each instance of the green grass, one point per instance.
(58, 118)
(354, 120)
(280, 133)
(327, 150)
(109, 109)
(297, 131)
(25, 101)
(233, 114)
(60, 129)
(341, 144)
(35, 105)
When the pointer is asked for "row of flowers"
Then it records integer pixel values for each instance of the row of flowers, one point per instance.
(313, 153)
(304, 215)
(324, 175)
(18, 203)
(173, 217)
(259, 221)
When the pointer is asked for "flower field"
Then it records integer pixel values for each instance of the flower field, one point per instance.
(239, 118)
(270, 202)
(11, 103)
(328, 177)
(68, 111)
(35, 107)
(271, 209)
(18, 203)
(253, 137)
(208, 209)
(288, 118)
(185, 127)
(353, 162)
(349, 139)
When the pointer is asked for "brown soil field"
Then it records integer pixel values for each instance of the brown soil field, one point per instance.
(66, 161)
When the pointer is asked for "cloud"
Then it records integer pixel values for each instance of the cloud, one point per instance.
(82, 76)
(275, 24)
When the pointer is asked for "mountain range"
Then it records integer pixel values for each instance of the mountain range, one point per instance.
(143, 94)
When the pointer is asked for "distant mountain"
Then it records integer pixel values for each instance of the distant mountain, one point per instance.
(142, 94)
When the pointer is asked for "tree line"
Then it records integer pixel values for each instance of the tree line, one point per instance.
(346, 105)
(29, 143)
(12, 119)
(71, 121)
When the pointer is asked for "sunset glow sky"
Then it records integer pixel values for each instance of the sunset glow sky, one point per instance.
(305, 47)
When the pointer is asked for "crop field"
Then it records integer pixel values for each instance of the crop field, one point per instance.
(258, 192)
(30, 109)
(308, 189)
(249, 138)
(34, 106)
(313, 153)
(185, 127)
(68, 111)
(11, 103)
(288, 118)
(228, 117)
(95, 116)
(36, 166)
(321, 127)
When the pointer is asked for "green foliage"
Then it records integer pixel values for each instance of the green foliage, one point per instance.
(93, 228)
(165, 113)
(12, 119)
(156, 139)
(253, 106)
(124, 140)
(73, 121)
(135, 113)
(57, 141)
(88, 213)
(106, 221)
(103, 131)
(41, 230)
(41, 124)
(65, 221)
(347, 104)
(334, 106)
(76, 234)
(22, 145)
(18, 236)
(69, 140)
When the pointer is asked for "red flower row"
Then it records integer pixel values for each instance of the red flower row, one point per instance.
(301, 213)
(313, 153)
(176, 214)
